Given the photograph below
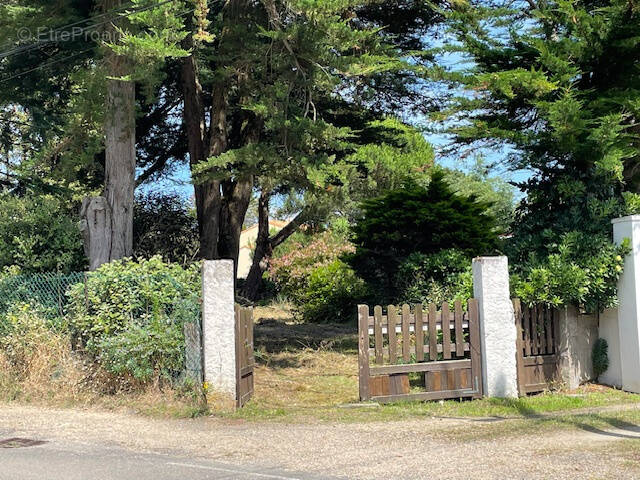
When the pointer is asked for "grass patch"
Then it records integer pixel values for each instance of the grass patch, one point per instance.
(309, 373)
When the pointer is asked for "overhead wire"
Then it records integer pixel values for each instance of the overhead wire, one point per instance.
(56, 61)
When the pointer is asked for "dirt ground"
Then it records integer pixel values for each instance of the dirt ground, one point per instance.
(424, 448)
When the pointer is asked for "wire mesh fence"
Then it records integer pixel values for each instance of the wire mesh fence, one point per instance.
(49, 291)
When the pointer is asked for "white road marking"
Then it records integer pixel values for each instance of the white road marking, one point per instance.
(230, 470)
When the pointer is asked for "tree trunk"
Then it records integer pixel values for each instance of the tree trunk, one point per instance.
(208, 197)
(120, 164)
(265, 244)
(262, 253)
(116, 235)
(237, 196)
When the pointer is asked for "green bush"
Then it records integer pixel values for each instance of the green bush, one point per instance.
(39, 234)
(582, 270)
(130, 316)
(331, 294)
(435, 278)
(600, 357)
(417, 220)
(308, 271)
(165, 224)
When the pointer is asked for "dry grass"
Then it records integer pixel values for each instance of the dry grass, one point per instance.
(39, 367)
(304, 373)
(309, 373)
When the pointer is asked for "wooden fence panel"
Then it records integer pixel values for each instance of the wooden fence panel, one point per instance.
(406, 337)
(439, 376)
(245, 361)
(536, 347)
(392, 321)
(419, 325)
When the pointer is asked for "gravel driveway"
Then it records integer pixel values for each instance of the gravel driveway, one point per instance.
(424, 448)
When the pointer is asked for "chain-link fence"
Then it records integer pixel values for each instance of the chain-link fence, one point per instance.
(49, 291)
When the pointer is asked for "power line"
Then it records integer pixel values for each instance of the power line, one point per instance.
(48, 64)
(56, 61)
(79, 22)
(55, 33)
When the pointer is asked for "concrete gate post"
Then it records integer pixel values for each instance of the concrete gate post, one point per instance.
(629, 303)
(218, 327)
(497, 326)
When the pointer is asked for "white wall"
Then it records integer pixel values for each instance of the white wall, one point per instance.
(608, 329)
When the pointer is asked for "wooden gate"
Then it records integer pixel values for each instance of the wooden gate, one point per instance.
(537, 347)
(244, 355)
(439, 349)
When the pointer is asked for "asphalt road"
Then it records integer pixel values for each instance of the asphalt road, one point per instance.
(78, 461)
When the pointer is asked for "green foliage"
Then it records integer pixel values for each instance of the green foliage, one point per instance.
(331, 293)
(422, 220)
(39, 234)
(155, 350)
(582, 270)
(600, 357)
(165, 225)
(308, 271)
(130, 316)
(435, 278)
(555, 84)
(486, 188)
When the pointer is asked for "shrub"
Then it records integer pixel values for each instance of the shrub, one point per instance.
(331, 293)
(164, 224)
(309, 272)
(417, 220)
(39, 234)
(600, 357)
(583, 270)
(130, 316)
(435, 278)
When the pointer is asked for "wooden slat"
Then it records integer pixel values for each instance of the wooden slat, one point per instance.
(526, 319)
(419, 333)
(519, 346)
(363, 351)
(446, 332)
(459, 332)
(434, 395)
(420, 367)
(542, 345)
(556, 331)
(406, 337)
(425, 350)
(433, 333)
(474, 347)
(534, 330)
(549, 330)
(540, 360)
(391, 332)
(377, 315)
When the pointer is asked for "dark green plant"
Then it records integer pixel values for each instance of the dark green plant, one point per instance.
(331, 294)
(582, 270)
(38, 233)
(422, 220)
(165, 224)
(435, 278)
(600, 357)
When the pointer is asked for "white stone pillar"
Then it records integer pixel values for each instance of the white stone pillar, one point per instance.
(629, 306)
(218, 326)
(497, 326)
